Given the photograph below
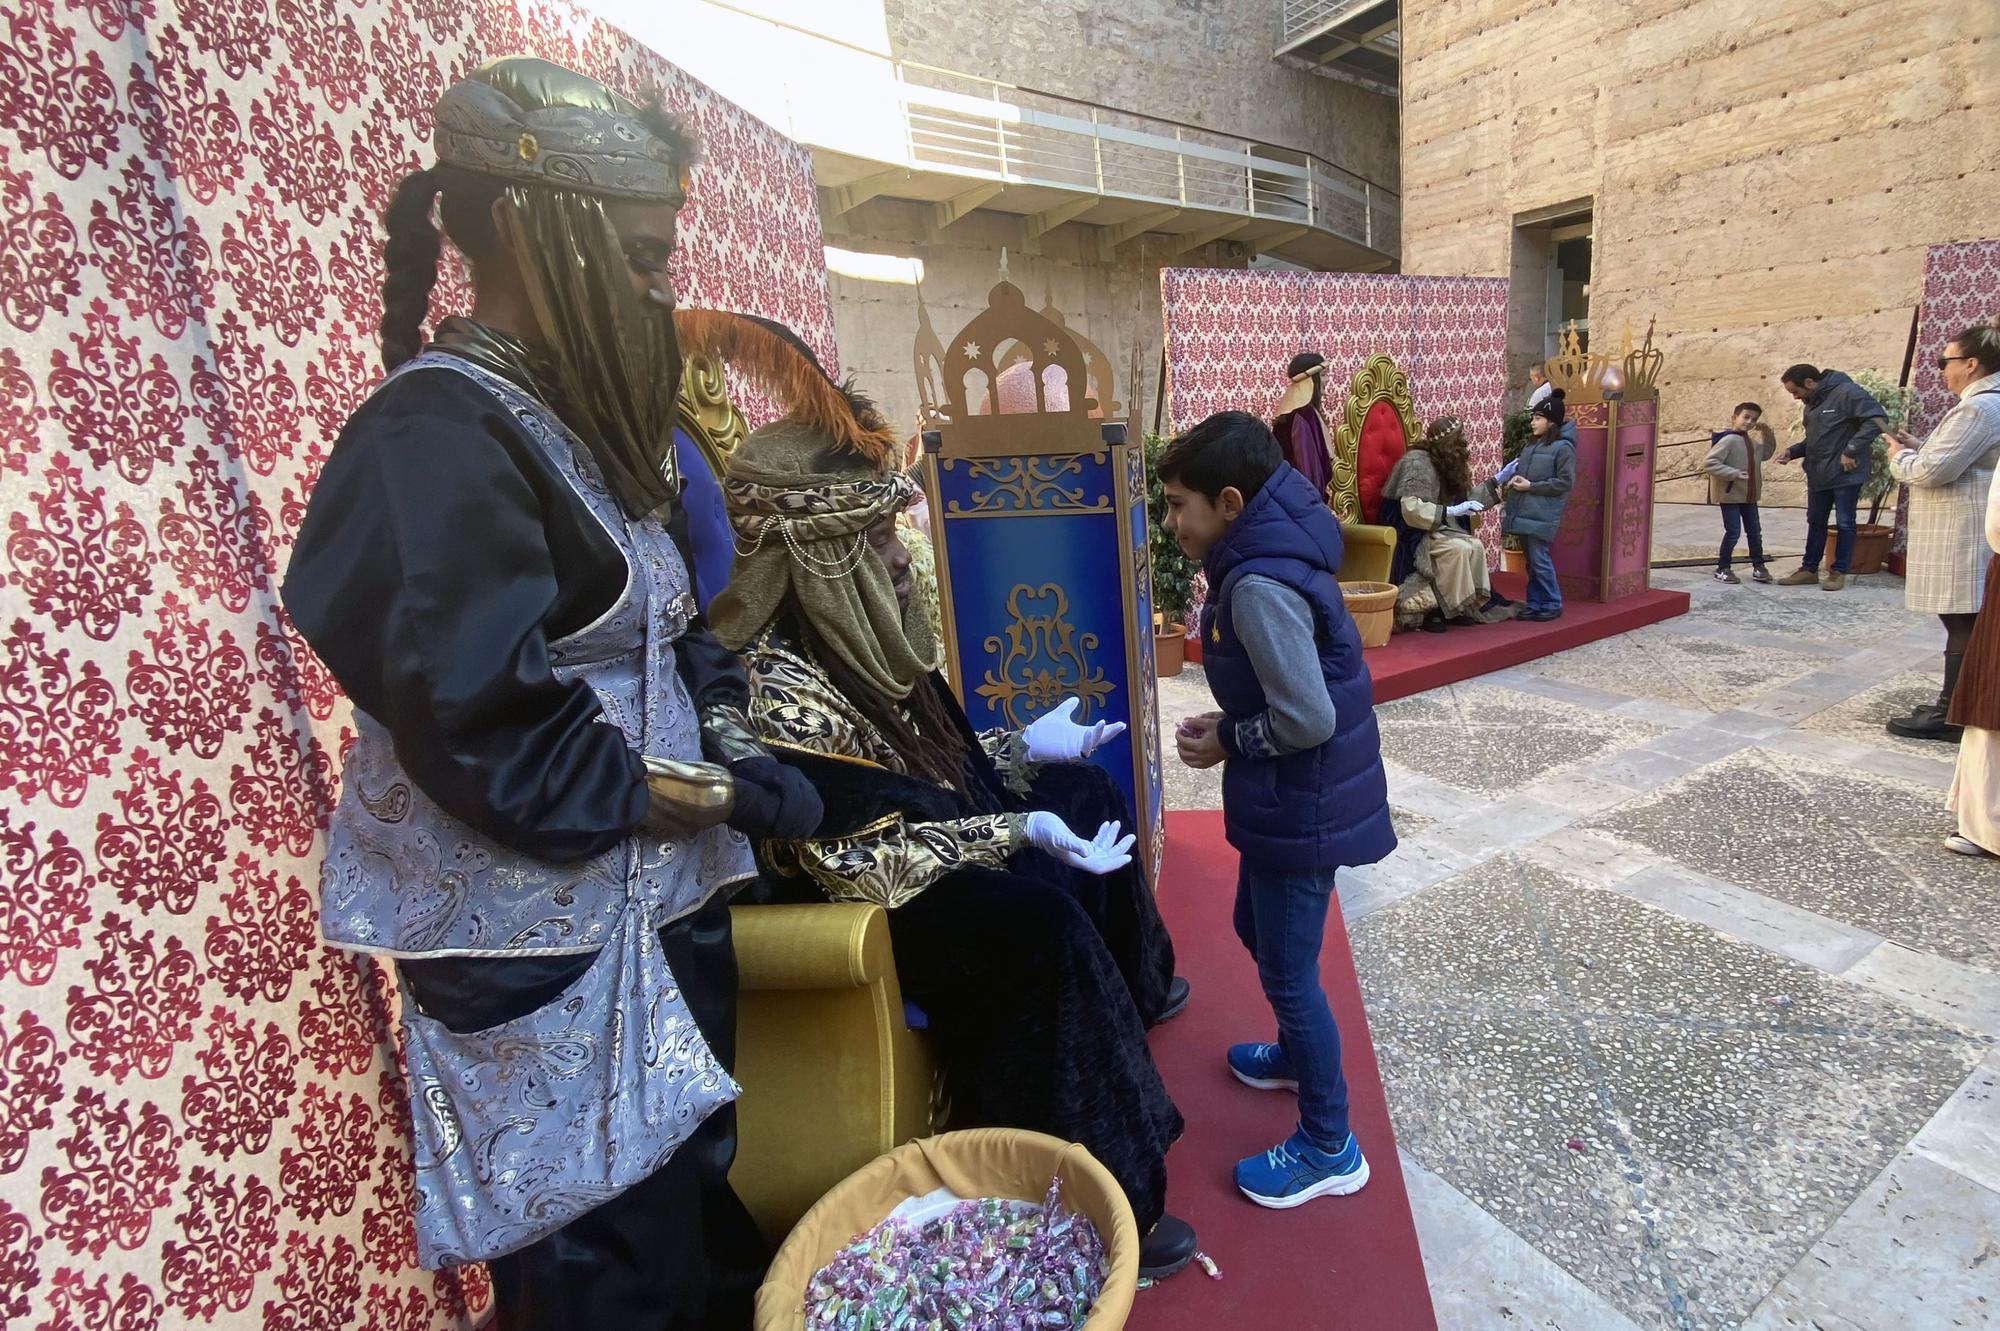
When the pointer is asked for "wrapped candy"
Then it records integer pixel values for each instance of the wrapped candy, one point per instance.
(992, 1264)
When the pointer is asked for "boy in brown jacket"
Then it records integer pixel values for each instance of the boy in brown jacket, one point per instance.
(1735, 467)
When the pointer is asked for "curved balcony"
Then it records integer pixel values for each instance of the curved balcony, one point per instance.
(880, 126)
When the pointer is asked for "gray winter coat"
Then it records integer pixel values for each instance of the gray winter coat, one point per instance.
(1550, 466)
(1841, 419)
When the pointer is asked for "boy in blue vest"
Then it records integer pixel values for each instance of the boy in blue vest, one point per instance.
(1303, 792)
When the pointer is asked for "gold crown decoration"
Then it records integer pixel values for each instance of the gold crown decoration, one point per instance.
(1096, 365)
(1642, 367)
(1570, 368)
(927, 358)
(978, 350)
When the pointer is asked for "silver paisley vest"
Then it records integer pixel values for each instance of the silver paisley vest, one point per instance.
(524, 1126)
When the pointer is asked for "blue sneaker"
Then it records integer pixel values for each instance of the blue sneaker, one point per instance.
(1263, 1066)
(1295, 1171)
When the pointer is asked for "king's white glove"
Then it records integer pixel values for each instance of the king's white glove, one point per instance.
(1107, 852)
(1055, 738)
(1469, 506)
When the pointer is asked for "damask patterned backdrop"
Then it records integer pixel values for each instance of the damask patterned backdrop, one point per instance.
(201, 1121)
(1961, 287)
(1229, 334)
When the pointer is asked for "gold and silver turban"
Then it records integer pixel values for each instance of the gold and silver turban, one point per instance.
(525, 120)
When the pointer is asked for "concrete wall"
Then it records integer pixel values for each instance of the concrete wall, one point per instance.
(1203, 62)
(1114, 303)
(1765, 174)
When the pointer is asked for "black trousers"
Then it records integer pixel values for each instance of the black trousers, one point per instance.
(1039, 982)
(677, 1252)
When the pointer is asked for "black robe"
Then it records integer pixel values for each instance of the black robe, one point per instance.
(1038, 980)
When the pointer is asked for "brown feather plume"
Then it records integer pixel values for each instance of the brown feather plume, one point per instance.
(774, 359)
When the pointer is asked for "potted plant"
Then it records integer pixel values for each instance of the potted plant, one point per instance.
(1514, 436)
(1173, 572)
(1871, 538)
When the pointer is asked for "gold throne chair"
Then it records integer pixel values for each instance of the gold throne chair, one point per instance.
(1378, 426)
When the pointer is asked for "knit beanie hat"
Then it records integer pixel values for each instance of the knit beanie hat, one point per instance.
(1550, 408)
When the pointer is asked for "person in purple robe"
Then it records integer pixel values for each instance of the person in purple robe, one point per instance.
(1298, 426)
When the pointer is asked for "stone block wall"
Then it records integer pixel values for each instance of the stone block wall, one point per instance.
(1765, 175)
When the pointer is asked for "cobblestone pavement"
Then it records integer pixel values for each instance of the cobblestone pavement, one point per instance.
(1687, 1019)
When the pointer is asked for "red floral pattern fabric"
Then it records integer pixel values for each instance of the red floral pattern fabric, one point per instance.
(1961, 288)
(202, 1120)
(1229, 333)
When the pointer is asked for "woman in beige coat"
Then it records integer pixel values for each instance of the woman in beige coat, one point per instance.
(1949, 477)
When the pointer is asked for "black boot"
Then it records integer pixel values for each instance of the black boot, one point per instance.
(1167, 1247)
(1928, 722)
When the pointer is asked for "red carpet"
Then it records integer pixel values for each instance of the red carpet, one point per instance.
(1334, 1263)
(1413, 662)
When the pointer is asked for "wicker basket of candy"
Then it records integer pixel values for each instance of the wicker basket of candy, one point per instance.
(992, 1229)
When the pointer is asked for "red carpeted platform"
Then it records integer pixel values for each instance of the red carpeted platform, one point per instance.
(1338, 1262)
(1413, 662)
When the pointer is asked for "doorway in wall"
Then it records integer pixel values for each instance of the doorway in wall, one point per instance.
(1549, 284)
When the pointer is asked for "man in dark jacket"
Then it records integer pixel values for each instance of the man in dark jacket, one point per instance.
(1842, 421)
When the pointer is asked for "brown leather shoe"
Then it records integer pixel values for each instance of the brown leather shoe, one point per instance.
(1799, 578)
(1834, 582)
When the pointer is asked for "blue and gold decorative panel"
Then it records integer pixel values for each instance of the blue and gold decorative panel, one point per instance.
(1046, 589)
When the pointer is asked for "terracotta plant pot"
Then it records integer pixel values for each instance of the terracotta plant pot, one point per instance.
(1513, 561)
(1169, 650)
(1871, 548)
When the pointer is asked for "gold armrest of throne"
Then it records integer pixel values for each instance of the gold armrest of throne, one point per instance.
(832, 1075)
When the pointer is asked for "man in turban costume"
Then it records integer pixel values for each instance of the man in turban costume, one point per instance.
(1019, 922)
(527, 825)
(1440, 567)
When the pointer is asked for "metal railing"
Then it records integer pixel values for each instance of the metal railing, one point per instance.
(1303, 16)
(981, 127)
(984, 129)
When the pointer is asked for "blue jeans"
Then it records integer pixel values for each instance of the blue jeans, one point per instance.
(1741, 520)
(1840, 505)
(1281, 918)
(1544, 592)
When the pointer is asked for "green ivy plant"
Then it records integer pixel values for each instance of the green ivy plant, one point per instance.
(1173, 571)
(1514, 435)
(1896, 401)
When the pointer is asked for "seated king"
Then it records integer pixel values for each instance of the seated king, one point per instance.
(1019, 922)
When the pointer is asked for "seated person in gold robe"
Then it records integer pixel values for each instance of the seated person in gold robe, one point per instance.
(1020, 924)
(1440, 566)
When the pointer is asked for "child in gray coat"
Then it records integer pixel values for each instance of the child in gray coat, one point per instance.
(1735, 467)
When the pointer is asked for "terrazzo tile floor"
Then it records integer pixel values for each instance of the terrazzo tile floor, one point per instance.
(1686, 1017)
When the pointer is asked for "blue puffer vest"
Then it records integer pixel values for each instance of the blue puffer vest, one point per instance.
(1327, 807)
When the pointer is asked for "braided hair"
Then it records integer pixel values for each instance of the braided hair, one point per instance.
(414, 244)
